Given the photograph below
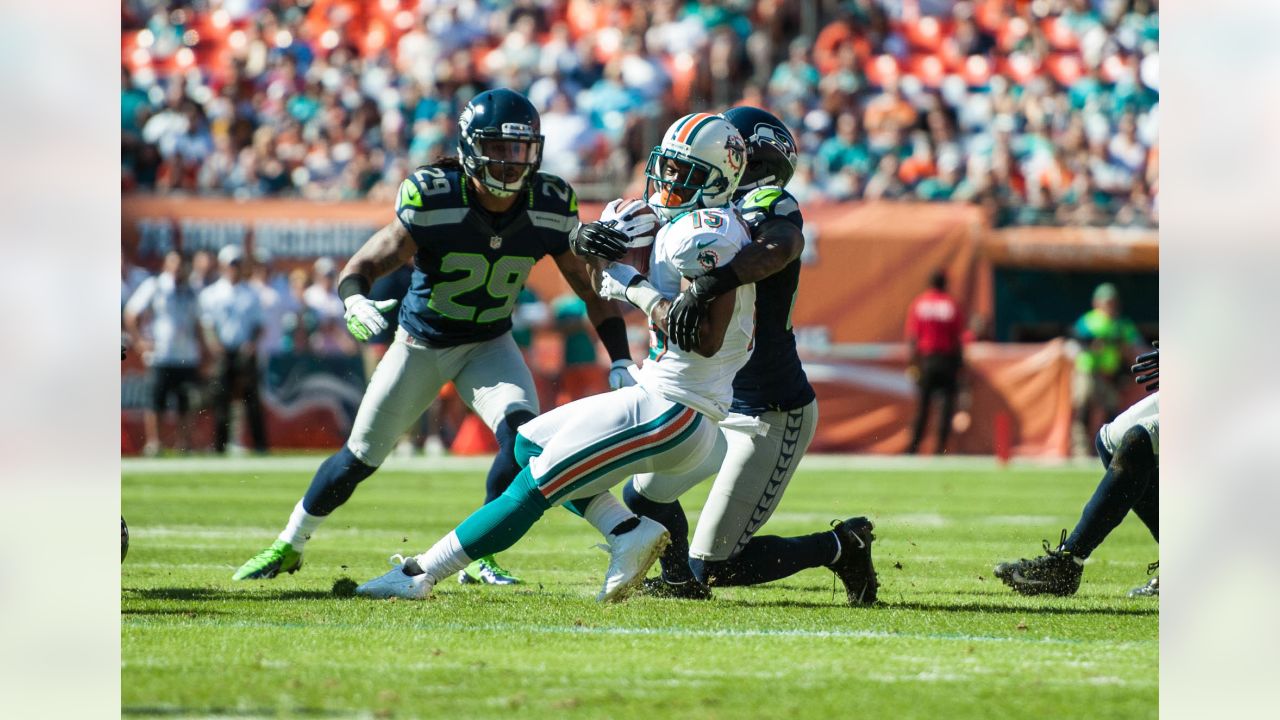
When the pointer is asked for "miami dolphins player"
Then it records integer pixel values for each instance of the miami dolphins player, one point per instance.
(667, 422)
(474, 229)
(753, 470)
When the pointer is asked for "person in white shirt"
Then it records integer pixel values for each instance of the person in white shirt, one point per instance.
(231, 315)
(163, 317)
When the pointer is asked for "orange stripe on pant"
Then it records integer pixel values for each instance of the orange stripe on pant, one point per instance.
(590, 465)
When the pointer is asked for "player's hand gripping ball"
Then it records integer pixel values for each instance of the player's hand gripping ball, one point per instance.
(635, 219)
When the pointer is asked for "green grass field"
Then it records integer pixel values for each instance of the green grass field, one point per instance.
(947, 641)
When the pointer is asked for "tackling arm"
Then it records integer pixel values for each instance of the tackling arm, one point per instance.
(712, 329)
(776, 243)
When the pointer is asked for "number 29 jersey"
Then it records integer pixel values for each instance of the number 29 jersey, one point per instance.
(470, 265)
(689, 246)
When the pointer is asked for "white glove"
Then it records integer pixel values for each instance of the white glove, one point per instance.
(634, 218)
(621, 374)
(614, 281)
(365, 317)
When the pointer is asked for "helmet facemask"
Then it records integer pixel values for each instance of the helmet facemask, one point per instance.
(676, 183)
(503, 162)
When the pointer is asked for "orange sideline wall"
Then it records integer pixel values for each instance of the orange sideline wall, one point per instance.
(864, 262)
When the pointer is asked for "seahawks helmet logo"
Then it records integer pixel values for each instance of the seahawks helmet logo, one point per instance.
(464, 120)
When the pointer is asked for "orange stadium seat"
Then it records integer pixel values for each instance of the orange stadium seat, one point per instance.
(1059, 34)
(881, 69)
(1066, 68)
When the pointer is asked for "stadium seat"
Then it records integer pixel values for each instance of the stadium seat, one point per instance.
(1059, 34)
(929, 68)
(926, 33)
(977, 71)
(1066, 68)
(1019, 67)
(882, 68)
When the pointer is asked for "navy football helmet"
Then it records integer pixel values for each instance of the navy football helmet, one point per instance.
(771, 149)
(500, 140)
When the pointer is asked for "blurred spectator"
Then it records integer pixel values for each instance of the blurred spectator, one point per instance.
(276, 306)
(232, 320)
(935, 325)
(331, 102)
(1105, 340)
(163, 317)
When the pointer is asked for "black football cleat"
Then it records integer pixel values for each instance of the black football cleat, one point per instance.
(1152, 588)
(854, 566)
(658, 587)
(1057, 572)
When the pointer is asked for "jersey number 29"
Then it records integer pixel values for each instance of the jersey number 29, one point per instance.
(502, 279)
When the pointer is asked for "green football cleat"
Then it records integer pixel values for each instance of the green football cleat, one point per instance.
(280, 557)
(487, 571)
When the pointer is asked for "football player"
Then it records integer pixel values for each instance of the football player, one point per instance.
(473, 228)
(1129, 448)
(668, 421)
(753, 469)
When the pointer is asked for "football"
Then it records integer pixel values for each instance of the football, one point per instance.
(124, 539)
(641, 223)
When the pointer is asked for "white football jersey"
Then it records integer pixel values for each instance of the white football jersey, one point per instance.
(687, 247)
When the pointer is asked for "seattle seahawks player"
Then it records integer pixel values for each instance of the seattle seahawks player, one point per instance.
(1129, 448)
(752, 469)
(667, 422)
(474, 229)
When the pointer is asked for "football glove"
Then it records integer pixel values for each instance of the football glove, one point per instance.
(365, 317)
(687, 311)
(620, 374)
(1146, 369)
(632, 218)
(598, 239)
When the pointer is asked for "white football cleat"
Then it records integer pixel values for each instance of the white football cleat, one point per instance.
(631, 554)
(397, 584)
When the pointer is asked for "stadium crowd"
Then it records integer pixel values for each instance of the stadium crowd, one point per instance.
(1043, 111)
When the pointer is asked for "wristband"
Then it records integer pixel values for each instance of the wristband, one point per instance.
(643, 295)
(613, 335)
(353, 284)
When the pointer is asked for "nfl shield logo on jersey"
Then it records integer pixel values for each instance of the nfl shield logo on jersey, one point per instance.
(495, 242)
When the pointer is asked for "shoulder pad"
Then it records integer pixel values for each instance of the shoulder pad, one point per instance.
(432, 196)
(552, 203)
(762, 203)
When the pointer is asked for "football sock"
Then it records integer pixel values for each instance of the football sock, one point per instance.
(501, 522)
(675, 559)
(301, 525)
(767, 558)
(444, 558)
(1148, 506)
(606, 514)
(1125, 482)
(334, 482)
(505, 468)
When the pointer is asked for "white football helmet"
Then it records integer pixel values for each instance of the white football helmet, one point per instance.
(698, 165)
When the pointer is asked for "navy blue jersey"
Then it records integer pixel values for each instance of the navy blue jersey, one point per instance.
(470, 264)
(773, 378)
